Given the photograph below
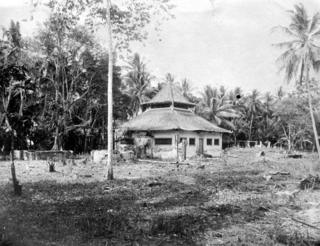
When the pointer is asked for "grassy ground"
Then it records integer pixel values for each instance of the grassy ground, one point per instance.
(227, 201)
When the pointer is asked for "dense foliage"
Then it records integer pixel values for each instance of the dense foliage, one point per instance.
(301, 55)
(53, 89)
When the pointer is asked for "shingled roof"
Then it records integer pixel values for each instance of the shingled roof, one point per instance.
(168, 94)
(161, 119)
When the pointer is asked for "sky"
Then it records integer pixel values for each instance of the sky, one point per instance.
(210, 42)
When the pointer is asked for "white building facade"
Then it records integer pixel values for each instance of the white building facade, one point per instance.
(168, 129)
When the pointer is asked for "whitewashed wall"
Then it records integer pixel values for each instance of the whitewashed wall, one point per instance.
(165, 152)
(214, 150)
(211, 150)
(170, 151)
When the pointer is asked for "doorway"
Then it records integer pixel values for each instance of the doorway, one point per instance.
(200, 146)
(183, 148)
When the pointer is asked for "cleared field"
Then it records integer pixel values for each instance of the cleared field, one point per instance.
(240, 199)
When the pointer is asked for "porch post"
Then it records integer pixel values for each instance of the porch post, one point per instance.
(177, 145)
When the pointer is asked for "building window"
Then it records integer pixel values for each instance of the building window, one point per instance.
(192, 141)
(216, 141)
(209, 141)
(163, 141)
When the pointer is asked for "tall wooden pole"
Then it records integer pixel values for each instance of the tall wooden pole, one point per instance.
(313, 122)
(110, 96)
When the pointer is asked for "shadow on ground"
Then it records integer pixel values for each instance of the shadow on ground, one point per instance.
(122, 212)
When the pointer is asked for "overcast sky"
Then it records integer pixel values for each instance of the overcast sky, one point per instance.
(216, 42)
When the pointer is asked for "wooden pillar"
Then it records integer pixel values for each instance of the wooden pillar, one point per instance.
(177, 146)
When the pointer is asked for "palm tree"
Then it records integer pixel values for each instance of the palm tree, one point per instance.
(302, 52)
(15, 80)
(280, 93)
(217, 108)
(222, 91)
(237, 92)
(207, 94)
(169, 78)
(235, 95)
(254, 106)
(267, 104)
(186, 88)
(138, 83)
(269, 121)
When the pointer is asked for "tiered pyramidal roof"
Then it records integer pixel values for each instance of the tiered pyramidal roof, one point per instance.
(169, 94)
(170, 110)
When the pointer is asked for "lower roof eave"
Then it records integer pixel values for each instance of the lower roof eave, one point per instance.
(177, 129)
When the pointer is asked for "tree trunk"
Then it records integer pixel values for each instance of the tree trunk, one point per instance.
(289, 139)
(16, 186)
(110, 101)
(250, 130)
(85, 149)
(56, 143)
(102, 132)
(13, 168)
(312, 118)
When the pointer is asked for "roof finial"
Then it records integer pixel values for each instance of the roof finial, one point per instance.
(171, 94)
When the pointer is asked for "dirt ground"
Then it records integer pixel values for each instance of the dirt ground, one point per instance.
(238, 199)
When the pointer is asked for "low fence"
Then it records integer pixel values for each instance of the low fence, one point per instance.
(29, 155)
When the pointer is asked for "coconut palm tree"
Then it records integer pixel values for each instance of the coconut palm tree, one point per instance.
(169, 78)
(138, 83)
(268, 121)
(268, 101)
(186, 87)
(222, 91)
(207, 94)
(217, 108)
(254, 106)
(280, 93)
(302, 52)
(235, 96)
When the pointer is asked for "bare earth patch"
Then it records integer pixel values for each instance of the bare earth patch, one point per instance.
(227, 201)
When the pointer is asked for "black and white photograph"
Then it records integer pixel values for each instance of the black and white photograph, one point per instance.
(159, 122)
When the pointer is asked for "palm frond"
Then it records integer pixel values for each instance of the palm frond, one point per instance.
(285, 30)
(226, 107)
(314, 23)
(287, 44)
(289, 63)
(229, 124)
(316, 34)
(217, 120)
(228, 114)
